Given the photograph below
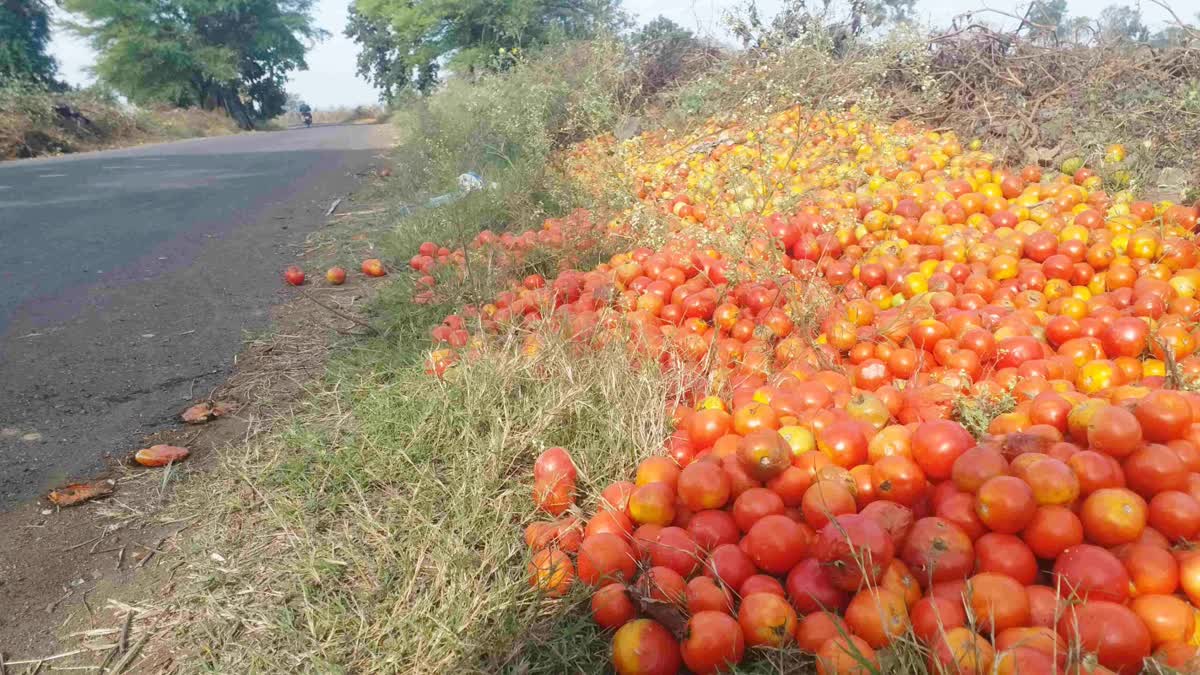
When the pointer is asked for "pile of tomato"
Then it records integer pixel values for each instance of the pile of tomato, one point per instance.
(936, 406)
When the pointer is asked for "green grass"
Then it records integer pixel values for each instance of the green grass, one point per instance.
(381, 531)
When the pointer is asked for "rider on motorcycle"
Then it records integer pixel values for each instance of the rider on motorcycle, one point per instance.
(305, 114)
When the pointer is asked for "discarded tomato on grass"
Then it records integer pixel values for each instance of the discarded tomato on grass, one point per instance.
(294, 275)
(160, 455)
(908, 388)
(373, 267)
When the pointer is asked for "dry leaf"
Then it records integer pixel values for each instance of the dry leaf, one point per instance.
(160, 455)
(78, 493)
(198, 414)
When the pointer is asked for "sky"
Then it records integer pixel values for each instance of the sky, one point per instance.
(331, 79)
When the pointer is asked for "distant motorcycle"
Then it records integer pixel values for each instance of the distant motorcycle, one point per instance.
(307, 117)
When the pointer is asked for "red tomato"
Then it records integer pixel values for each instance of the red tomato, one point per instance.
(1113, 632)
(776, 543)
(1091, 573)
(712, 642)
(936, 445)
(855, 549)
(644, 647)
(937, 550)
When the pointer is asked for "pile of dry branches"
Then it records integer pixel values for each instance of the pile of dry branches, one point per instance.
(1039, 100)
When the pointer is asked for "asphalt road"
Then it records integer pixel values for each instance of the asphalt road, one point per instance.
(128, 279)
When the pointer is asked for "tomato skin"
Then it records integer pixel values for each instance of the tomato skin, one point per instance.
(554, 464)
(961, 651)
(612, 608)
(1112, 631)
(764, 453)
(975, 466)
(1095, 471)
(1113, 516)
(1154, 468)
(898, 479)
(605, 558)
(844, 443)
(818, 628)
(855, 549)
(825, 499)
(754, 504)
(703, 485)
(762, 583)
(1168, 618)
(644, 647)
(1052, 530)
(1126, 336)
(932, 615)
(998, 602)
(895, 519)
(937, 550)
(1163, 415)
(674, 548)
(846, 655)
(704, 427)
(937, 444)
(1176, 515)
(712, 528)
(662, 584)
(767, 619)
(776, 543)
(1007, 555)
(877, 615)
(704, 594)
(1189, 575)
(551, 572)
(1114, 431)
(730, 565)
(1005, 504)
(712, 641)
(1091, 573)
(1151, 569)
(811, 589)
(1044, 606)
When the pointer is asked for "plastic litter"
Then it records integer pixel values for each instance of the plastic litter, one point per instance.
(467, 183)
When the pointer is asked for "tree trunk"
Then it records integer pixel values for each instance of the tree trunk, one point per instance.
(229, 100)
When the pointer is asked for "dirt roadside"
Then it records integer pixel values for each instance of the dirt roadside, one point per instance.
(66, 568)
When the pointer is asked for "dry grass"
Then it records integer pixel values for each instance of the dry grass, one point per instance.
(30, 125)
(380, 531)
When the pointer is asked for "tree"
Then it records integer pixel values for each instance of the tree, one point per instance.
(837, 23)
(405, 43)
(1121, 21)
(24, 37)
(228, 54)
(664, 52)
(380, 59)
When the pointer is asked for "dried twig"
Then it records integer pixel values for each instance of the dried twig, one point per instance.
(337, 312)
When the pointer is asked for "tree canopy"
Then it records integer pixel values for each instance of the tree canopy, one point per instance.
(229, 54)
(24, 37)
(836, 20)
(404, 43)
(666, 51)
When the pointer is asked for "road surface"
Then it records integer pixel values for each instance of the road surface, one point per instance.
(128, 278)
